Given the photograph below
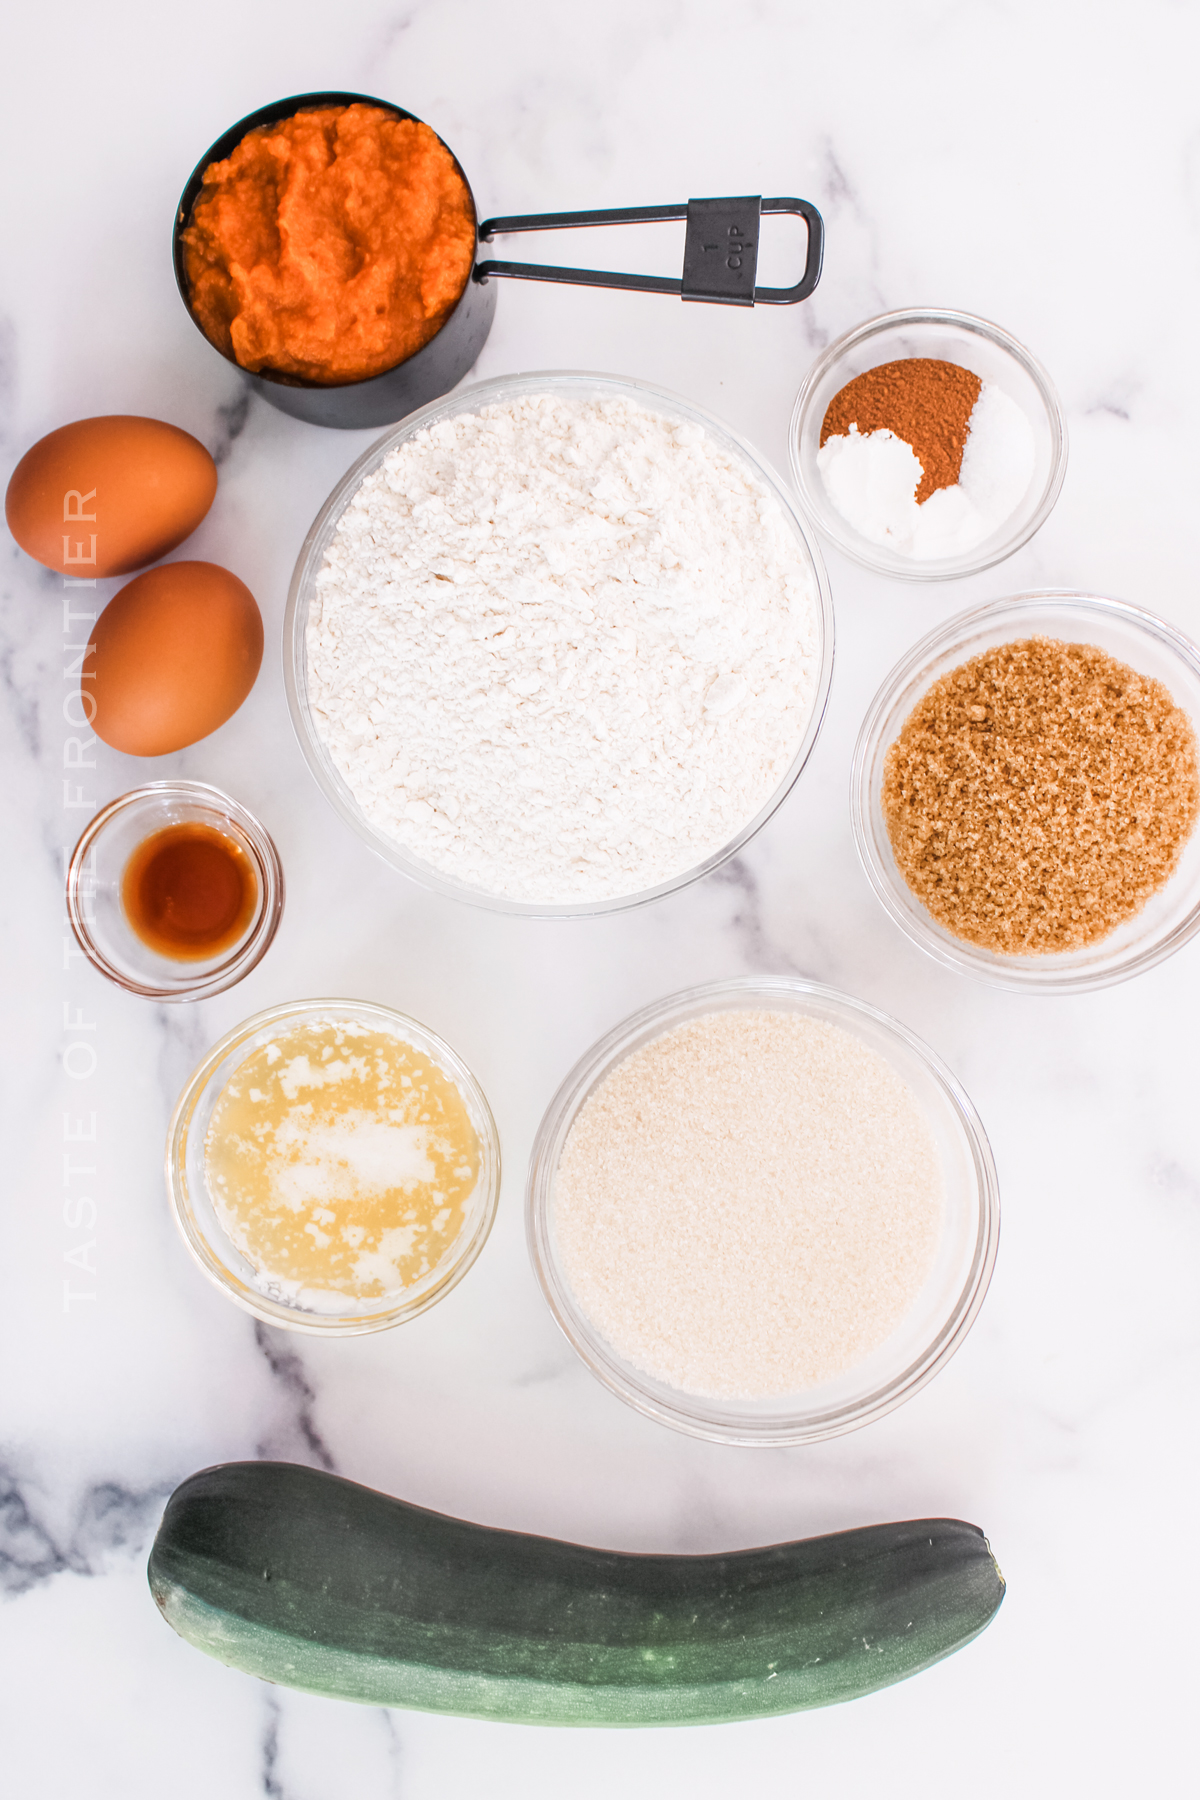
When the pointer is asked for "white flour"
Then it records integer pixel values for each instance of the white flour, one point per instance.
(563, 650)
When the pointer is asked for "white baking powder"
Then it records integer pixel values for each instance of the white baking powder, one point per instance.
(871, 478)
(563, 650)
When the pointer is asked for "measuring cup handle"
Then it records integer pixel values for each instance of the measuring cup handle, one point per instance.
(720, 251)
(770, 296)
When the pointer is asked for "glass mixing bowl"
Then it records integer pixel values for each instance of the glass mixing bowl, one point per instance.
(1137, 638)
(570, 384)
(973, 344)
(947, 1304)
(199, 1221)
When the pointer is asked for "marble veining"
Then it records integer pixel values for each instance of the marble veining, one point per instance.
(746, 920)
(299, 1396)
(231, 422)
(1035, 165)
(109, 1518)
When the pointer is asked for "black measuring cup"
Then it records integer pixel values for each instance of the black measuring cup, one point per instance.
(720, 256)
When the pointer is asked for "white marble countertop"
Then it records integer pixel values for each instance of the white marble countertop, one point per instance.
(1038, 165)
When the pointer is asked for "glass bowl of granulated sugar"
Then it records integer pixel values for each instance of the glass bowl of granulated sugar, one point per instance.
(557, 645)
(762, 1212)
(928, 444)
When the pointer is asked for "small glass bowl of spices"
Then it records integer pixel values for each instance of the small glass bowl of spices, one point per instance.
(175, 891)
(762, 1212)
(333, 1166)
(1025, 791)
(928, 444)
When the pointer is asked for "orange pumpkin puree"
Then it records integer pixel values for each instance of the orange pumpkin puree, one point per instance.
(331, 245)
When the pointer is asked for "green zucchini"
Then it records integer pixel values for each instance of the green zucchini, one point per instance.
(309, 1580)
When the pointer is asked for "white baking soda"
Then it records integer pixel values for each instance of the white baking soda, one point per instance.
(562, 650)
(872, 477)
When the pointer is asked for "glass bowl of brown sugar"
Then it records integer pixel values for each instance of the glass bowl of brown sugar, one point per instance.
(927, 444)
(1024, 792)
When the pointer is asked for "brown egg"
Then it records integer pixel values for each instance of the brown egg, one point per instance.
(105, 496)
(176, 653)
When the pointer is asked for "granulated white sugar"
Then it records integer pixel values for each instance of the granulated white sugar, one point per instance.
(748, 1205)
(563, 649)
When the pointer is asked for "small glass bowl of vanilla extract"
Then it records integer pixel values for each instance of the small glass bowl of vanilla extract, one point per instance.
(174, 891)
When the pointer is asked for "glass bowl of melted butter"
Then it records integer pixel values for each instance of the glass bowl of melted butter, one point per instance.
(333, 1166)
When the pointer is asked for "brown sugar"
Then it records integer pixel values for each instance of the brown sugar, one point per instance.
(331, 245)
(1039, 795)
(919, 399)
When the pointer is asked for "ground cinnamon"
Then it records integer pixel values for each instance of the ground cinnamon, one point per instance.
(921, 400)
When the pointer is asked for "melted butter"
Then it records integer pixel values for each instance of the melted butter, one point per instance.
(341, 1158)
